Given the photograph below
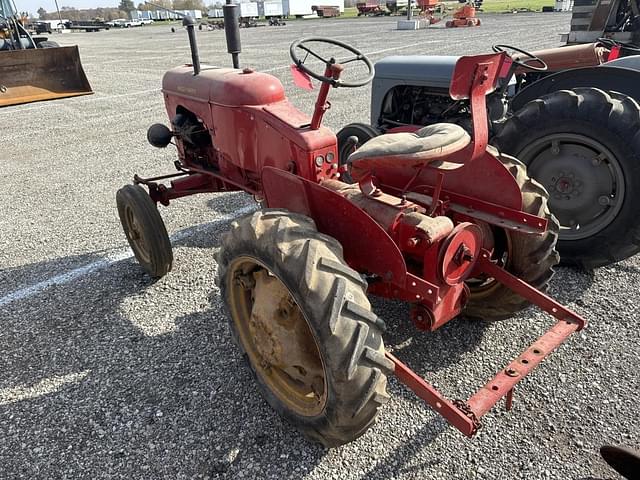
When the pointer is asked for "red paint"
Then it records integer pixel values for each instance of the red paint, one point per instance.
(432, 397)
(347, 223)
(615, 52)
(301, 79)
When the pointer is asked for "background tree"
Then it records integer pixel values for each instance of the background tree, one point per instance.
(188, 5)
(126, 6)
(70, 13)
(42, 13)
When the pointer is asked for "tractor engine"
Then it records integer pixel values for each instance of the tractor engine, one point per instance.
(421, 105)
(191, 130)
(195, 139)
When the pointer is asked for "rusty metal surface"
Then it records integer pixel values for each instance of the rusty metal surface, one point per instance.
(536, 297)
(574, 56)
(281, 335)
(39, 74)
(568, 323)
(505, 380)
(465, 415)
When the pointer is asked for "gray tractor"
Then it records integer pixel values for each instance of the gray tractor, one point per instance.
(570, 114)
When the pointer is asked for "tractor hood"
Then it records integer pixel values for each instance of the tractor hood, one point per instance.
(420, 70)
(223, 86)
(435, 71)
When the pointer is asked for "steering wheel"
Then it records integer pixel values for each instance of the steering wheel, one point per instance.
(359, 57)
(530, 57)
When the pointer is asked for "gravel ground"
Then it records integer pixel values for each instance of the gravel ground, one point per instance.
(106, 374)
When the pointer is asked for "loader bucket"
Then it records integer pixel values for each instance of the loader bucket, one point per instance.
(32, 75)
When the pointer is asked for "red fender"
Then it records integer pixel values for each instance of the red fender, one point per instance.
(485, 179)
(367, 247)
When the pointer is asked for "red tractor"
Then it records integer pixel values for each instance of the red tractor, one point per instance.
(437, 219)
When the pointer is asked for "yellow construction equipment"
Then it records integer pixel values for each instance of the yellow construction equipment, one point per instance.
(34, 69)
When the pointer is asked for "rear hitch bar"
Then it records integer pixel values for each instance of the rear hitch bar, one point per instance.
(465, 416)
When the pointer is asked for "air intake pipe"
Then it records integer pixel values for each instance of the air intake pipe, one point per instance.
(190, 23)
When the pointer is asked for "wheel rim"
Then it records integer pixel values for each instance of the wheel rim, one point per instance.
(135, 234)
(276, 336)
(584, 180)
(499, 243)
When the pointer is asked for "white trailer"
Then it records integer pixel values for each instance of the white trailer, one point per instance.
(248, 10)
(273, 9)
(298, 8)
(55, 25)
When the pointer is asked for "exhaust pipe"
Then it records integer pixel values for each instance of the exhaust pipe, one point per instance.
(232, 31)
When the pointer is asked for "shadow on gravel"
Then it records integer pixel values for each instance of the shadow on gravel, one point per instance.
(395, 465)
(426, 351)
(226, 203)
(15, 278)
(84, 393)
(570, 283)
(625, 267)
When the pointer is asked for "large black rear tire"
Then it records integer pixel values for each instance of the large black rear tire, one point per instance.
(302, 319)
(529, 257)
(583, 145)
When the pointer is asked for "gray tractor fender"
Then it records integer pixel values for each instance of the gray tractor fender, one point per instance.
(632, 62)
(622, 77)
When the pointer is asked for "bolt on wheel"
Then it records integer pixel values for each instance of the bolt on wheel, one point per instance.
(276, 336)
(583, 178)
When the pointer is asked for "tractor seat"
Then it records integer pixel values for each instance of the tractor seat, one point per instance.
(426, 146)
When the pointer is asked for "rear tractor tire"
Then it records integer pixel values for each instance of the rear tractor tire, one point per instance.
(145, 230)
(529, 257)
(583, 145)
(304, 324)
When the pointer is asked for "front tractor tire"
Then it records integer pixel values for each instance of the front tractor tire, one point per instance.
(583, 146)
(529, 257)
(304, 324)
(145, 230)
